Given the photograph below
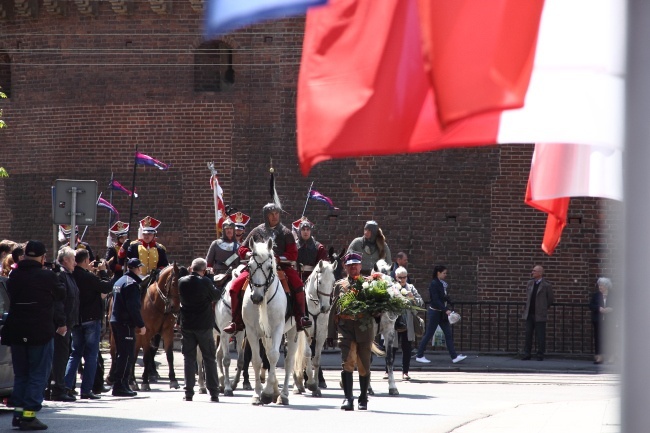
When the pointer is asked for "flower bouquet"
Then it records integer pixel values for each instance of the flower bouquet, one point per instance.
(372, 296)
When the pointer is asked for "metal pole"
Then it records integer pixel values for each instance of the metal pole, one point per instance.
(307, 201)
(110, 199)
(73, 218)
(135, 166)
(635, 392)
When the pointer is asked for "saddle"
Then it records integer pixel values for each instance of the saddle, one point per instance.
(220, 280)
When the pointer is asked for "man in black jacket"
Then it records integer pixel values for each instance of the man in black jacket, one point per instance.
(126, 321)
(69, 308)
(29, 330)
(94, 285)
(197, 320)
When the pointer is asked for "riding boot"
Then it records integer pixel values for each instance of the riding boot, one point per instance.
(346, 380)
(302, 322)
(237, 323)
(364, 382)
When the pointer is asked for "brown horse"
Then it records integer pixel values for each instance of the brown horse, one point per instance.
(160, 308)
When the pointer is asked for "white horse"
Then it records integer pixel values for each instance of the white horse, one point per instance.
(319, 289)
(386, 328)
(223, 317)
(264, 311)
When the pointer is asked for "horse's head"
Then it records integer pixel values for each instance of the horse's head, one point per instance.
(382, 266)
(320, 285)
(338, 259)
(262, 271)
(168, 288)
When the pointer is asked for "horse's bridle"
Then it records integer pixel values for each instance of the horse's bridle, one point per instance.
(318, 291)
(166, 298)
(268, 278)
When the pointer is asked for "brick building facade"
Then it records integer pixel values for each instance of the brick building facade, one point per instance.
(88, 81)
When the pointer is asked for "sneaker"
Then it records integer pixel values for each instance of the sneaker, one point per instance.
(422, 360)
(31, 424)
(458, 358)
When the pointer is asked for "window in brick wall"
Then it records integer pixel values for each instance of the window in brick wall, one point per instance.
(5, 74)
(213, 67)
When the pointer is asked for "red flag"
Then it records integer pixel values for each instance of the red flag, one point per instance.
(217, 192)
(365, 88)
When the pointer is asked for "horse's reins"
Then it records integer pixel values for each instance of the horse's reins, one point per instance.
(317, 301)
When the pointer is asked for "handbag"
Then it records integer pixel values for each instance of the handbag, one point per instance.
(418, 325)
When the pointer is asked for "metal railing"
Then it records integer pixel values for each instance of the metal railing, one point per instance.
(498, 327)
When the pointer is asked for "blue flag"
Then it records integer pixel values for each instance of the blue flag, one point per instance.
(223, 16)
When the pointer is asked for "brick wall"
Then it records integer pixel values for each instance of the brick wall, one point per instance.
(86, 90)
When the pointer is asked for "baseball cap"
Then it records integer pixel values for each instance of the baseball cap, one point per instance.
(35, 249)
(134, 263)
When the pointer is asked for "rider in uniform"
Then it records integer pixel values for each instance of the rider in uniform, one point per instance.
(116, 264)
(310, 251)
(372, 245)
(240, 219)
(355, 337)
(223, 252)
(152, 254)
(65, 230)
(286, 252)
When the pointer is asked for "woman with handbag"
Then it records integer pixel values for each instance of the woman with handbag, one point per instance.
(438, 315)
(408, 336)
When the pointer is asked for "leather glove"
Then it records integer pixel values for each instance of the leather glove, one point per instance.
(125, 245)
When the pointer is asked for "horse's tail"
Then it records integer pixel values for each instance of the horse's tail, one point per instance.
(300, 361)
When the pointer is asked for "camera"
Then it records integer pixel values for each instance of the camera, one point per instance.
(96, 263)
(53, 266)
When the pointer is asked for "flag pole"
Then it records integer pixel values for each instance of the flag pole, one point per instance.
(635, 389)
(110, 199)
(307, 201)
(135, 166)
(86, 227)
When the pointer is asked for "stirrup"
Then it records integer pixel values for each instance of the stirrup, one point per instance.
(303, 323)
(231, 328)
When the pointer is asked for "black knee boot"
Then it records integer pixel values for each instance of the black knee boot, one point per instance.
(364, 381)
(346, 380)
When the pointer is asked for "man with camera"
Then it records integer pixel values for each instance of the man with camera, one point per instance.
(94, 285)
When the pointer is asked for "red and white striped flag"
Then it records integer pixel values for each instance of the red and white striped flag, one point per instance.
(219, 208)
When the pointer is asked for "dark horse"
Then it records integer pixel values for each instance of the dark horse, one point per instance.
(160, 308)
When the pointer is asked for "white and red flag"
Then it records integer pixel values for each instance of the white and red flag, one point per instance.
(217, 192)
(406, 76)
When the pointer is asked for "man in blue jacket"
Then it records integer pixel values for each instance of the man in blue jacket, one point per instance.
(126, 321)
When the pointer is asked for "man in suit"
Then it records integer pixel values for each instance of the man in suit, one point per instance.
(539, 297)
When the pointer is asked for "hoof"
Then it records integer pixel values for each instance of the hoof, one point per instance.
(266, 399)
(298, 390)
(393, 391)
(316, 393)
(322, 385)
(203, 391)
(134, 386)
(228, 393)
(146, 387)
(153, 378)
(174, 384)
(246, 386)
(312, 387)
(256, 401)
(283, 400)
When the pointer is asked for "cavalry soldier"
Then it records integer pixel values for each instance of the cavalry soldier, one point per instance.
(286, 252)
(372, 246)
(222, 253)
(240, 219)
(152, 254)
(65, 230)
(116, 264)
(310, 251)
(355, 337)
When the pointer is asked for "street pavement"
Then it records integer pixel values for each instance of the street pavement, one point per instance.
(486, 393)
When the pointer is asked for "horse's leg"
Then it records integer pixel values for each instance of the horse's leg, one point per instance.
(146, 362)
(168, 341)
(245, 364)
(301, 364)
(272, 346)
(256, 361)
(239, 339)
(389, 337)
(200, 371)
(153, 371)
(220, 370)
(309, 370)
(225, 343)
(283, 398)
